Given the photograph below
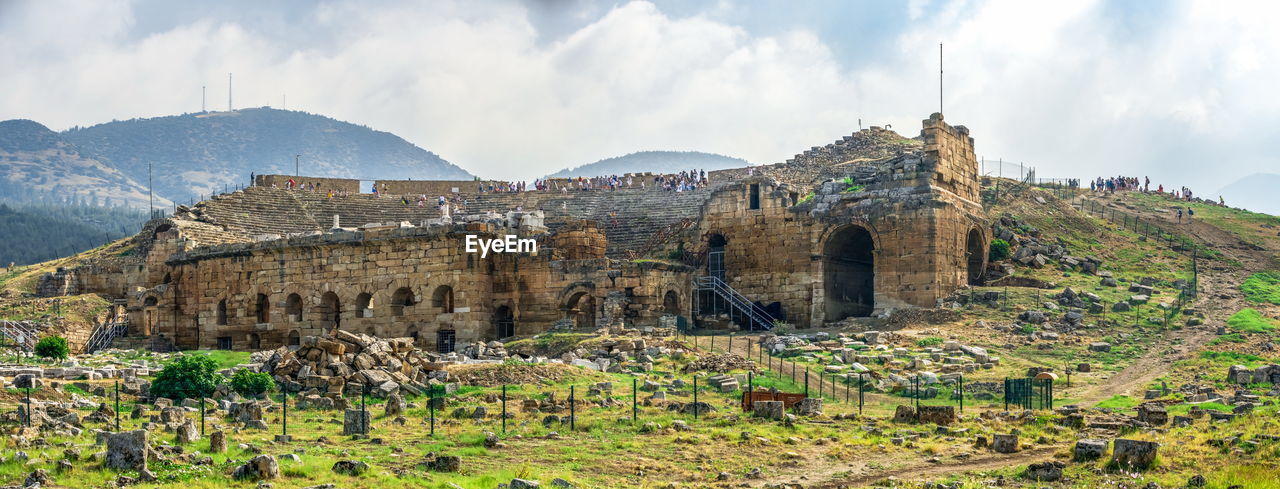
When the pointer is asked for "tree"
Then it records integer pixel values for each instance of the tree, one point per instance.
(251, 384)
(54, 347)
(190, 376)
(999, 250)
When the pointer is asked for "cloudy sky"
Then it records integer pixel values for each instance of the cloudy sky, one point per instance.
(1182, 91)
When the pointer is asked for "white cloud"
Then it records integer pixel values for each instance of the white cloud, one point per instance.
(1067, 86)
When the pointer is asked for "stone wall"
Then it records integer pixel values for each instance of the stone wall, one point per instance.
(321, 184)
(389, 282)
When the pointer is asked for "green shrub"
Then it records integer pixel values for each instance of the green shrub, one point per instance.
(52, 347)
(251, 384)
(999, 250)
(190, 376)
(929, 341)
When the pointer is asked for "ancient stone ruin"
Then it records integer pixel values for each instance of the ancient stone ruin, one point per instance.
(872, 223)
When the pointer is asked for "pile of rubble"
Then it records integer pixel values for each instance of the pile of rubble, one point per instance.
(1032, 252)
(847, 355)
(714, 362)
(346, 363)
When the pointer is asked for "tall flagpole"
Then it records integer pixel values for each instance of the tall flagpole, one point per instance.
(939, 78)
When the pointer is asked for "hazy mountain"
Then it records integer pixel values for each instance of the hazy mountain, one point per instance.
(194, 154)
(1256, 192)
(39, 165)
(653, 161)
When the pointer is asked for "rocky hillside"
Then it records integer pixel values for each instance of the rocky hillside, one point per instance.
(201, 153)
(653, 161)
(39, 165)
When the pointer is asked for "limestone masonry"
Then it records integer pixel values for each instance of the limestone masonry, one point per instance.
(857, 228)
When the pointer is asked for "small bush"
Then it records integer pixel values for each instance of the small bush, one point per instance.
(54, 347)
(929, 341)
(999, 250)
(251, 384)
(190, 376)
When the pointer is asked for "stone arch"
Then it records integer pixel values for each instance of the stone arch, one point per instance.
(400, 299)
(255, 341)
(330, 310)
(975, 256)
(442, 299)
(160, 229)
(220, 314)
(504, 322)
(149, 314)
(262, 308)
(581, 308)
(364, 305)
(295, 338)
(848, 258)
(293, 307)
(671, 302)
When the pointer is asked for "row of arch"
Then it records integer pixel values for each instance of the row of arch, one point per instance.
(329, 311)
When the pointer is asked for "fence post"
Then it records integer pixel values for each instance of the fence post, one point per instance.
(1006, 393)
(431, 405)
(861, 389)
(364, 413)
(504, 409)
(29, 409)
(806, 379)
(284, 412)
(202, 417)
(695, 397)
(751, 381)
(962, 393)
(117, 405)
(573, 410)
(635, 395)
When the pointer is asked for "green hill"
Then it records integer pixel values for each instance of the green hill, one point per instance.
(653, 161)
(201, 153)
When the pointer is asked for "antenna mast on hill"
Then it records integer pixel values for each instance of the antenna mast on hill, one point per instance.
(202, 96)
(228, 92)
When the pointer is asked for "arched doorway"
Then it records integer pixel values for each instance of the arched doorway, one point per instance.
(330, 310)
(504, 323)
(716, 266)
(442, 299)
(293, 307)
(581, 307)
(974, 256)
(364, 305)
(401, 299)
(149, 315)
(222, 313)
(671, 303)
(295, 339)
(849, 273)
(263, 309)
(255, 341)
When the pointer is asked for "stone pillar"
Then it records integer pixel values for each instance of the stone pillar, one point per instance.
(355, 422)
(768, 409)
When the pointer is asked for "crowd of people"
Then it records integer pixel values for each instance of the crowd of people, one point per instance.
(1115, 184)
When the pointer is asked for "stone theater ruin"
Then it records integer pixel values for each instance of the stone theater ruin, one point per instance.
(869, 224)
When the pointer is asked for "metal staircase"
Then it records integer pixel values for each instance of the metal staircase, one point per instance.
(746, 310)
(104, 334)
(22, 334)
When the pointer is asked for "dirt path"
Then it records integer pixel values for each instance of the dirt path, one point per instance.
(926, 470)
(1220, 297)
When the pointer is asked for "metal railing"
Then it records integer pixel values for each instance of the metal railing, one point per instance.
(758, 317)
(104, 334)
(21, 333)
